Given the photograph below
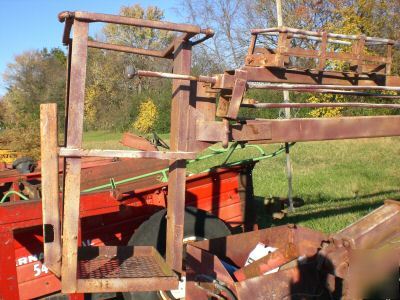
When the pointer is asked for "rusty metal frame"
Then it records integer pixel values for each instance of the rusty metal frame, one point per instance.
(188, 31)
(67, 265)
(50, 188)
(194, 125)
(301, 130)
(357, 57)
(75, 152)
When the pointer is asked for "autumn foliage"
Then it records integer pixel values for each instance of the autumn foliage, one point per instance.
(147, 117)
(114, 102)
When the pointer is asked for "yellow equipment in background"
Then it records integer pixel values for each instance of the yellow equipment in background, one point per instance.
(8, 156)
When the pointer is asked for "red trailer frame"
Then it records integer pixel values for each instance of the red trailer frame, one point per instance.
(24, 276)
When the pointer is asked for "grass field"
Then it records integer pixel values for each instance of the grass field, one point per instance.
(339, 181)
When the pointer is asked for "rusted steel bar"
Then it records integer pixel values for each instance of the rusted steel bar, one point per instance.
(106, 18)
(297, 130)
(377, 230)
(67, 91)
(373, 228)
(266, 85)
(320, 105)
(137, 142)
(302, 130)
(310, 87)
(389, 59)
(76, 152)
(279, 75)
(238, 91)
(73, 165)
(319, 34)
(312, 38)
(350, 93)
(168, 51)
(127, 49)
(144, 73)
(50, 187)
(133, 284)
(180, 118)
(253, 41)
(214, 131)
(67, 31)
(200, 40)
(322, 52)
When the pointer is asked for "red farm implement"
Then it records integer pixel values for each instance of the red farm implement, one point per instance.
(205, 110)
(223, 192)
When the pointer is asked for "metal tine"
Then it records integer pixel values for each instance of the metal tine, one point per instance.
(319, 105)
(131, 72)
(77, 152)
(311, 87)
(319, 34)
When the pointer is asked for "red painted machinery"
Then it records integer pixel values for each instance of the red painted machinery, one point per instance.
(23, 275)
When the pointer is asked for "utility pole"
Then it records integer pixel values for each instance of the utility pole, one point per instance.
(286, 99)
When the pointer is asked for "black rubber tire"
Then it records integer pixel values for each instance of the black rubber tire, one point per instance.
(24, 164)
(152, 232)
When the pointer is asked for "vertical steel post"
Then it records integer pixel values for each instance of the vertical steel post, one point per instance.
(286, 99)
(50, 187)
(179, 142)
(73, 165)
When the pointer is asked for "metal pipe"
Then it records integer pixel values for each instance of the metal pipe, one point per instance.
(349, 93)
(67, 31)
(286, 99)
(122, 20)
(319, 34)
(313, 38)
(169, 50)
(321, 105)
(311, 87)
(132, 72)
(12, 192)
(126, 49)
(279, 13)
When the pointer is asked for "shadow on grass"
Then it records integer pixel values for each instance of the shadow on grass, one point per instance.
(368, 203)
(323, 198)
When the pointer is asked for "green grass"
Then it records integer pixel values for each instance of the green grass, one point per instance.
(102, 140)
(339, 181)
(106, 140)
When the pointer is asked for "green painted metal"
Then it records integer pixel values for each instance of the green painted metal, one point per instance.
(164, 172)
(229, 151)
(12, 192)
(250, 160)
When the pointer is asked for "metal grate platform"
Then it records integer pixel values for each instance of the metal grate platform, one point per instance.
(127, 268)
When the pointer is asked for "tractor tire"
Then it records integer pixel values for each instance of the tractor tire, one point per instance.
(199, 225)
(24, 165)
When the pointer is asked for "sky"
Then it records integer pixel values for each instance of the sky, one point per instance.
(33, 24)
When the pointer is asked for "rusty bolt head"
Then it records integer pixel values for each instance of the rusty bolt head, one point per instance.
(130, 71)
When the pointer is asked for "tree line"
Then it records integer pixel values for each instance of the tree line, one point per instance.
(114, 102)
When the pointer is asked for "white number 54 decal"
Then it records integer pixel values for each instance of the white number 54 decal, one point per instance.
(39, 269)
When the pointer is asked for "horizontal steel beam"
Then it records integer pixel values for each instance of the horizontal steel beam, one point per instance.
(320, 105)
(284, 29)
(213, 131)
(349, 93)
(74, 152)
(312, 77)
(287, 86)
(145, 73)
(126, 49)
(312, 38)
(107, 18)
(126, 284)
(302, 130)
